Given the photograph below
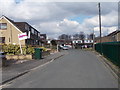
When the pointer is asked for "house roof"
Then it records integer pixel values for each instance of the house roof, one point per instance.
(44, 35)
(8, 19)
(114, 33)
(11, 22)
(19, 25)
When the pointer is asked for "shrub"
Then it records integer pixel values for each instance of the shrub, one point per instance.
(44, 49)
(10, 49)
(30, 50)
(15, 49)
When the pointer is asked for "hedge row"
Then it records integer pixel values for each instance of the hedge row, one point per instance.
(15, 49)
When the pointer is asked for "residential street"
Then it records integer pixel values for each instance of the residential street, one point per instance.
(77, 69)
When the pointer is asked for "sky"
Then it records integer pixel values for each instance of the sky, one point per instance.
(67, 17)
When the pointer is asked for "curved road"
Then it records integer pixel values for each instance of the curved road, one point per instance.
(77, 69)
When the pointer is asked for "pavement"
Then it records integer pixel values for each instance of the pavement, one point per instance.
(77, 69)
(114, 69)
(18, 69)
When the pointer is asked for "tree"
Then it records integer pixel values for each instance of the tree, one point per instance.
(91, 36)
(64, 37)
(53, 42)
(82, 36)
(76, 36)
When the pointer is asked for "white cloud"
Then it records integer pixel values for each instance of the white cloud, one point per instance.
(68, 26)
(104, 30)
(58, 28)
(50, 28)
(91, 22)
(51, 17)
(109, 23)
(110, 19)
(68, 22)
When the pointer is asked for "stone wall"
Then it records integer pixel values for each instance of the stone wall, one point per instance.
(18, 57)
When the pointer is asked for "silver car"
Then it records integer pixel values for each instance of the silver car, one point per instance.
(65, 47)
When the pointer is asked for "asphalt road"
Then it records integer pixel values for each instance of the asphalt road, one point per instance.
(77, 69)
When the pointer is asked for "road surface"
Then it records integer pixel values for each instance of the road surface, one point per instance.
(77, 69)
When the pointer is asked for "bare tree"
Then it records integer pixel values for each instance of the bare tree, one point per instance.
(76, 36)
(64, 37)
(53, 42)
(82, 36)
(90, 36)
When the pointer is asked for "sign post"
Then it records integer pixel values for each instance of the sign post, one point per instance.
(22, 36)
(57, 48)
(20, 47)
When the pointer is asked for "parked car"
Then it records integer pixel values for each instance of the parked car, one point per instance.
(60, 46)
(69, 46)
(65, 47)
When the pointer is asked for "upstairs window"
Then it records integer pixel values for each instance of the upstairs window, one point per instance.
(35, 32)
(32, 30)
(42, 37)
(38, 34)
(3, 26)
(26, 27)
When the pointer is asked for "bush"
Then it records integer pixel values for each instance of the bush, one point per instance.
(30, 50)
(15, 49)
(44, 49)
(11, 49)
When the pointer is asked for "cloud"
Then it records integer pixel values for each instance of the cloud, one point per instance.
(47, 11)
(52, 17)
(109, 23)
(68, 26)
(57, 28)
(105, 30)
(50, 28)
(110, 19)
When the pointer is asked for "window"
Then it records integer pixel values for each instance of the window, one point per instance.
(32, 30)
(79, 41)
(26, 27)
(38, 34)
(2, 39)
(41, 37)
(35, 32)
(3, 26)
(91, 41)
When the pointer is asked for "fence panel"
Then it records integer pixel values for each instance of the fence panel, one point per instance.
(110, 50)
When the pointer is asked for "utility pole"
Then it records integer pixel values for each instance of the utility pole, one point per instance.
(93, 39)
(100, 20)
(100, 27)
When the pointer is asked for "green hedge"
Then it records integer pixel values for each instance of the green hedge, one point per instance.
(110, 50)
(15, 49)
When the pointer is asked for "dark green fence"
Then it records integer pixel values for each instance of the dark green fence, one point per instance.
(110, 50)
